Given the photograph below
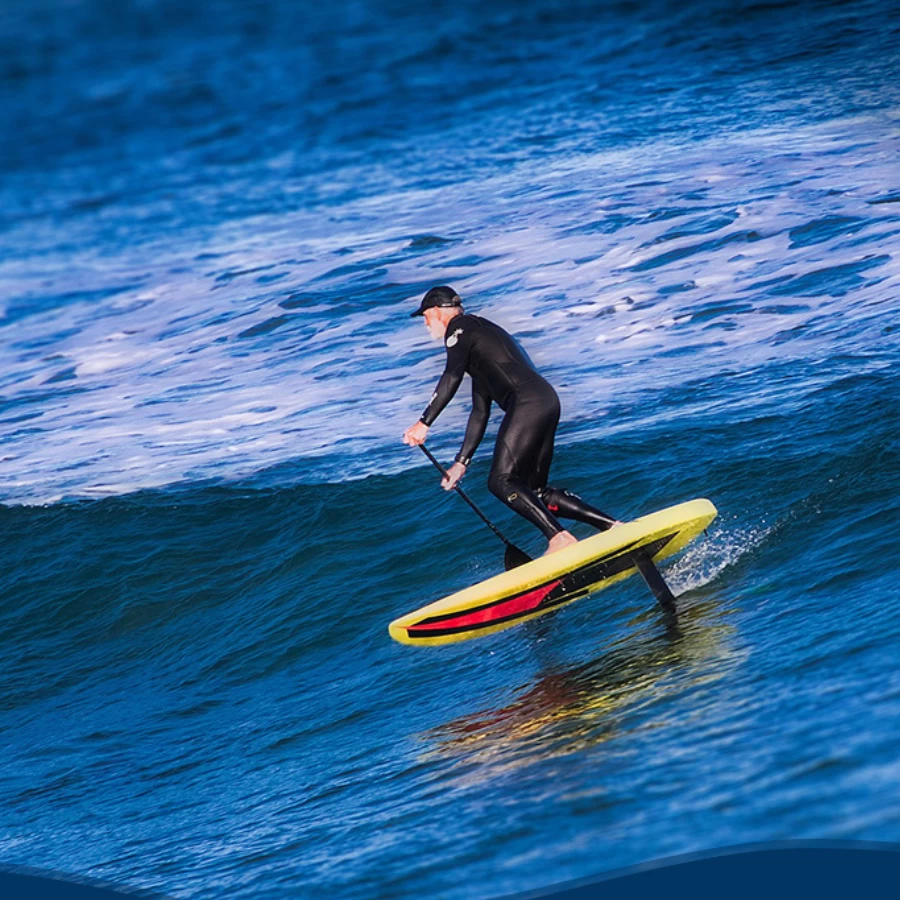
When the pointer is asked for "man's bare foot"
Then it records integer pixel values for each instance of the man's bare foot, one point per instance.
(559, 541)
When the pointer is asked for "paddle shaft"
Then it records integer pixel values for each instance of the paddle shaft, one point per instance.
(468, 500)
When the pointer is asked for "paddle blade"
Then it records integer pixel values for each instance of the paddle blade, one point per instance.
(514, 557)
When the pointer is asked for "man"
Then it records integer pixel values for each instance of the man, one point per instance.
(501, 373)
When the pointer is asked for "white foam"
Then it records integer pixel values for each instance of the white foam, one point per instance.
(165, 390)
(704, 560)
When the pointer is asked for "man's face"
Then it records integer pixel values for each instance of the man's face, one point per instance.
(435, 323)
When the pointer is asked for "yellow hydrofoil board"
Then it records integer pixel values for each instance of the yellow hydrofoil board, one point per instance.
(550, 581)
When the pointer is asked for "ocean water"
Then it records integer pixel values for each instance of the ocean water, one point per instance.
(214, 221)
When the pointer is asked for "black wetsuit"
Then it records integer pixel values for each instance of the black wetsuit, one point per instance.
(502, 373)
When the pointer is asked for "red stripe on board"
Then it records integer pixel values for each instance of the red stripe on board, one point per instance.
(521, 604)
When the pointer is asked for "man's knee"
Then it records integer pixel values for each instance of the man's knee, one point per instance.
(552, 497)
(499, 484)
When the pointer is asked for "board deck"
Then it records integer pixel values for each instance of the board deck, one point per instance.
(551, 581)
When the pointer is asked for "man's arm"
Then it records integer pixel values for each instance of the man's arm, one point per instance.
(478, 420)
(457, 357)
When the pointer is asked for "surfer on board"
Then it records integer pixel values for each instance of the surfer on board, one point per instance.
(501, 373)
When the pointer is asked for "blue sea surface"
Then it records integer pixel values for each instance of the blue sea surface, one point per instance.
(214, 221)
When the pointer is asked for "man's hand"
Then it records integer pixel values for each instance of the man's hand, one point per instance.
(416, 434)
(454, 473)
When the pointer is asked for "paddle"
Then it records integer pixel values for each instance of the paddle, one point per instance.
(514, 556)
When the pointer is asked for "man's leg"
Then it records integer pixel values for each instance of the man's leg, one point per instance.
(560, 502)
(508, 487)
(567, 505)
(515, 454)
(540, 469)
(521, 441)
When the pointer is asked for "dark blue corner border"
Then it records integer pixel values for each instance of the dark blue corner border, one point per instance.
(25, 883)
(793, 870)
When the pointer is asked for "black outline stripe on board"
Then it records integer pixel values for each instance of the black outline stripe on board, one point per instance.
(491, 603)
(572, 586)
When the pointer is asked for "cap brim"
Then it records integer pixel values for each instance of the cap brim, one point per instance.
(421, 310)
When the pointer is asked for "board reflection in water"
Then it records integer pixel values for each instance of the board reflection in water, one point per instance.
(567, 710)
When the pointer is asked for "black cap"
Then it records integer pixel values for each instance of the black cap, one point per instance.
(438, 296)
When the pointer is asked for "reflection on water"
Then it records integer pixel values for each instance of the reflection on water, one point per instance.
(566, 709)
